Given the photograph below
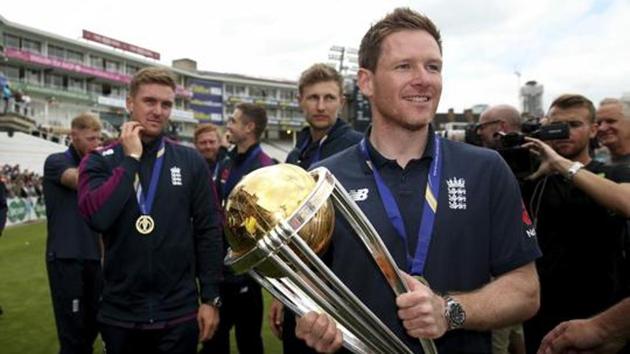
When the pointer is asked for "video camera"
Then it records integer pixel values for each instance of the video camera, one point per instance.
(518, 158)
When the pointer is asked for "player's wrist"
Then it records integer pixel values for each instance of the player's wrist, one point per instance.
(573, 169)
(214, 302)
(135, 156)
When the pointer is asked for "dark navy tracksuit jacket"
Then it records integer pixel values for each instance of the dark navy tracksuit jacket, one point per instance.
(154, 277)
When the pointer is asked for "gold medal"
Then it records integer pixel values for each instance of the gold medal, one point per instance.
(145, 224)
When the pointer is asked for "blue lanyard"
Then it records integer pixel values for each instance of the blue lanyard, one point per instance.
(215, 173)
(237, 172)
(318, 152)
(417, 263)
(146, 203)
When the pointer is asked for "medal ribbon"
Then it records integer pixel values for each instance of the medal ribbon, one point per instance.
(215, 173)
(146, 203)
(416, 264)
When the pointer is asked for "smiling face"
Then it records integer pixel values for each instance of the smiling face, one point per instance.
(240, 129)
(613, 128)
(406, 85)
(151, 106)
(208, 144)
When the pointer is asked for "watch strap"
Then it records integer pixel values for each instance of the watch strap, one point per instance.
(573, 169)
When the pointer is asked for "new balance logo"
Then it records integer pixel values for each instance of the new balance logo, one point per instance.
(456, 193)
(358, 195)
(531, 232)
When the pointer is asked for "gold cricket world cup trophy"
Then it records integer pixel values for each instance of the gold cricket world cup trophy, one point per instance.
(278, 219)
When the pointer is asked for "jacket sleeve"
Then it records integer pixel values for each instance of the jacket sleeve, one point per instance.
(104, 191)
(208, 231)
(54, 167)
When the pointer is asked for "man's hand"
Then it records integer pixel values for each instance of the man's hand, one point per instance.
(319, 332)
(130, 138)
(276, 317)
(578, 336)
(421, 310)
(208, 321)
(550, 160)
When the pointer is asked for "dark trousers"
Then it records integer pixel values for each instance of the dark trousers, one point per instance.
(179, 339)
(242, 308)
(75, 287)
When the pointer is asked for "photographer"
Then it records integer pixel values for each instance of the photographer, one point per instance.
(496, 120)
(579, 207)
(501, 128)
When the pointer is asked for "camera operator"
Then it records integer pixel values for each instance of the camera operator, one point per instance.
(579, 207)
(496, 120)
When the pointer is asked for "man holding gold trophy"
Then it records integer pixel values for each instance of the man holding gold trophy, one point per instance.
(476, 235)
(430, 238)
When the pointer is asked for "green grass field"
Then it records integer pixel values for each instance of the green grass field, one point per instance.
(27, 325)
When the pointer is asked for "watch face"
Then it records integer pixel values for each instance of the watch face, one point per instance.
(456, 315)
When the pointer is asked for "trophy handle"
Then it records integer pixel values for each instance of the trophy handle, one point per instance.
(374, 244)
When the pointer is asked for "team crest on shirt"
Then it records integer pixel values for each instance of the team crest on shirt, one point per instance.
(359, 195)
(456, 193)
(176, 176)
(107, 152)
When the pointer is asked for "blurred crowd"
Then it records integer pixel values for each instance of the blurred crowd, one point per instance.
(21, 183)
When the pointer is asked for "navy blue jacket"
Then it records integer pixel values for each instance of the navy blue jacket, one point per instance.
(231, 167)
(69, 236)
(340, 137)
(227, 167)
(154, 277)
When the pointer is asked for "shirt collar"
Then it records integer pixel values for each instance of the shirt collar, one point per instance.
(336, 127)
(379, 160)
(243, 156)
(152, 145)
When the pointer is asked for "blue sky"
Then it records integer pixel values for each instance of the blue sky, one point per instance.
(576, 46)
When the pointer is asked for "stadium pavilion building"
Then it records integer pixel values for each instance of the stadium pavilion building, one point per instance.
(63, 77)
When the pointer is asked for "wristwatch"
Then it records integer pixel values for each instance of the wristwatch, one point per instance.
(216, 302)
(573, 169)
(454, 313)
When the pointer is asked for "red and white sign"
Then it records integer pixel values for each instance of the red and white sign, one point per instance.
(91, 36)
(28, 57)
